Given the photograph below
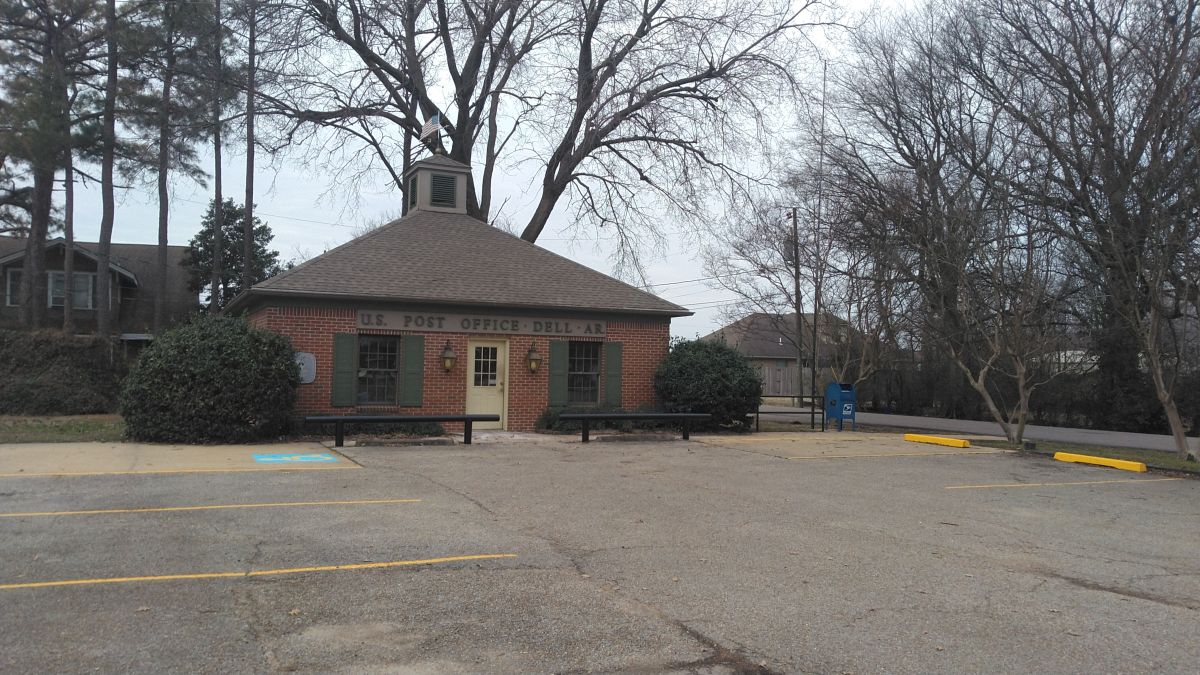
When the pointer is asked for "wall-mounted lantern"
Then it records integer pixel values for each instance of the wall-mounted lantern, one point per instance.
(448, 357)
(533, 358)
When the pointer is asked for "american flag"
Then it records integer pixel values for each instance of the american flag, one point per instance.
(431, 127)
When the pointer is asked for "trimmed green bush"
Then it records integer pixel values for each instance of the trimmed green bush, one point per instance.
(708, 377)
(48, 373)
(214, 380)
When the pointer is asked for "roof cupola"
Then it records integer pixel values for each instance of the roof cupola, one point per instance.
(437, 183)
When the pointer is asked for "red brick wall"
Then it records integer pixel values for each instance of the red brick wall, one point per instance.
(311, 329)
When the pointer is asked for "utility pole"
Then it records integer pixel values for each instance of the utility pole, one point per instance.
(799, 316)
(817, 233)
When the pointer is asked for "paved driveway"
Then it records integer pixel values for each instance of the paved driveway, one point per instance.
(717, 555)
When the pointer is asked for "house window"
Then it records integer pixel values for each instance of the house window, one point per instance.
(378, 369)
(13, 293)
(412, 192)
(583, 372)
(84, 291)
(442, 189)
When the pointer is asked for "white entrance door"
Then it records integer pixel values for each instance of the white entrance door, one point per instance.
(486, 381)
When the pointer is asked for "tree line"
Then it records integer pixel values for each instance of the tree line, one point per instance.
(618, 102)
(993, 187)
(1009, 189)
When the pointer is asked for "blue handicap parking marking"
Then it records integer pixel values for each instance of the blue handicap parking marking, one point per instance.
(289, 457)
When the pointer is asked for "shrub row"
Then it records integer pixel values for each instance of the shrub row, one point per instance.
(48, 373)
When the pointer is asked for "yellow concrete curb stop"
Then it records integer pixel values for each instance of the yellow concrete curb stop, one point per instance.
(938, 440)
(1122, 464)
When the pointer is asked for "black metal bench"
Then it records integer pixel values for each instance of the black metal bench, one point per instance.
(586, 418)
(339, 422)
(813, 410)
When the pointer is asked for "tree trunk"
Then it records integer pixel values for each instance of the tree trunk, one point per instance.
(108, 211)
(68, 326)
(33, 271)
(541, 214)
(979, 384)
(214, 299)
(1167, 399)
(164, 197)
(248, 222)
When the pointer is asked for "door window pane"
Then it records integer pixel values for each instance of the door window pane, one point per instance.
(485, 366)
(378, 369)
(583, 372)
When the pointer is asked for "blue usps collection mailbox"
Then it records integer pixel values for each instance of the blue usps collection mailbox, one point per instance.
(841, 403)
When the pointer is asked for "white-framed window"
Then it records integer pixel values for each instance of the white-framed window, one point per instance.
(84, 291)
(12, 293)
(378, 369)
(583, 372)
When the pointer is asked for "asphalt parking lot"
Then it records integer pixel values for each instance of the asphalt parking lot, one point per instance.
(825, 553)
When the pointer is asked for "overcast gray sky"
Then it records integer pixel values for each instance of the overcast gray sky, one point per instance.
(307, 220)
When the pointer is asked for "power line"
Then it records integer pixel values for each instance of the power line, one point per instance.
(691, 281)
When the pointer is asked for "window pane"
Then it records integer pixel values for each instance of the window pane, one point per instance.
(58, 282)
(82, 293)
(14, 287)
(378, 369)
(485, 366)
(583, 372)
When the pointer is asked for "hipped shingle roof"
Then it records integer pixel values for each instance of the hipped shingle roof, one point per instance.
(450, 258)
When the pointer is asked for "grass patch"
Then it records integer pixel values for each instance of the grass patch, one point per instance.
(1157, 459)
(61, 429)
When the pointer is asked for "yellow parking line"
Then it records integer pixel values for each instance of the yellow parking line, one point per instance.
(906, 454)
(1082, 482)
(257, 573)
(161, 509)
(27, 474)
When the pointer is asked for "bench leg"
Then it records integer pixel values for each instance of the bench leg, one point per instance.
(687, 424)
(339, 434)
(584, 428)
(467, 432)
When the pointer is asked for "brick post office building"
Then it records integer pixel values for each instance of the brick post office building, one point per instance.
(440, 313)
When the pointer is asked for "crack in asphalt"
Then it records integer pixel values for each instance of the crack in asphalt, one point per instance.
(247, 608)
(733, 659)
(1126, 592)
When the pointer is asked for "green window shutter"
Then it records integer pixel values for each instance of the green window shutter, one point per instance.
(345, 369)
(612, 374)
(412, 381)
(558, 373)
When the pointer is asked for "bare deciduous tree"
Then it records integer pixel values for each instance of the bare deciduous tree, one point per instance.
(1106, 96)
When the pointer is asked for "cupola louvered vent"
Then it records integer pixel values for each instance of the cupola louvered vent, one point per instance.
(442, 190)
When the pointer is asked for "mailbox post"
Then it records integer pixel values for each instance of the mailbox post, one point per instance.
(841, 403)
